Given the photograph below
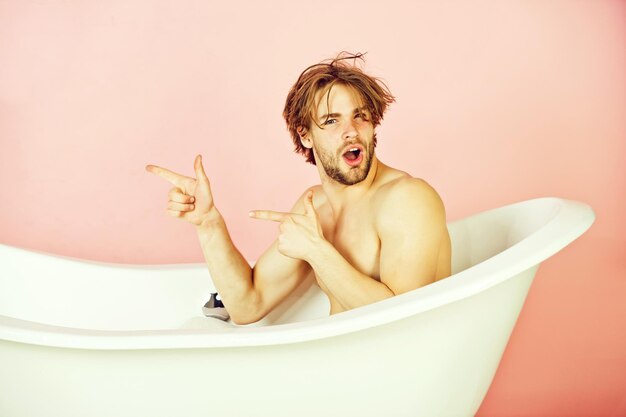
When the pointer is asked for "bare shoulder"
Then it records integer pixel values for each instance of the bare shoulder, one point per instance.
(407, 196)
(405, 189)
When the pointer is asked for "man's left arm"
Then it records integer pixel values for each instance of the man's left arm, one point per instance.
(411, 225)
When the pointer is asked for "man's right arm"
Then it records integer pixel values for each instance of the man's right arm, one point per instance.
(248, 294)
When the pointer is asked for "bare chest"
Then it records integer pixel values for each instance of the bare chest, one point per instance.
(355, 238)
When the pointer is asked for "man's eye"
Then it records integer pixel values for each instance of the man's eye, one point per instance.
(328, 122)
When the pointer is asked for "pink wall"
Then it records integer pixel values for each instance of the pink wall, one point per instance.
(497, 102)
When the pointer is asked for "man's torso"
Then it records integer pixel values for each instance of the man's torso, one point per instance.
(354, 235)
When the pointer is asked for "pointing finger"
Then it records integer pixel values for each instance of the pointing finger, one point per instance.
(167, 175)
(275, 216)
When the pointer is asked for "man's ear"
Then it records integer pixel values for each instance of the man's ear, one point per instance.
(305, 138)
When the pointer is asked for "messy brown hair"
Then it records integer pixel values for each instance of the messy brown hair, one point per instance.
(300, 105)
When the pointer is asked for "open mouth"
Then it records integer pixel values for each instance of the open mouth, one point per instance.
(353, 156)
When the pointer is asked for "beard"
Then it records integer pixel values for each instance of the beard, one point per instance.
(353, 175)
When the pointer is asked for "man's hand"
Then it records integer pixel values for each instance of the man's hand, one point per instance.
(300, 234)
(191, 198)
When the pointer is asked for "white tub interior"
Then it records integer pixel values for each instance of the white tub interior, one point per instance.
(81, 294)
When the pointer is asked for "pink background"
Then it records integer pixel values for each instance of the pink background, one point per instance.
(497, 102)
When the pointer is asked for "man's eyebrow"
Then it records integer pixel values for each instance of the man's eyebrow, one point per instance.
(329, 116)
(339, 114)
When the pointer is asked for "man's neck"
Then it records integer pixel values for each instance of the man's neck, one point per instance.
(339, 195)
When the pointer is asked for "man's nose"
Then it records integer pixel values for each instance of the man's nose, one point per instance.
(350, 131)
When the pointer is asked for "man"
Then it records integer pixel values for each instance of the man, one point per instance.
(366, 233)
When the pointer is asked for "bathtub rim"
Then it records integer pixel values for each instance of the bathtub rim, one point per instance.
(570, 220)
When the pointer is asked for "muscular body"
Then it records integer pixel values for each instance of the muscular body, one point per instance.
(367, 233)
(356, 235)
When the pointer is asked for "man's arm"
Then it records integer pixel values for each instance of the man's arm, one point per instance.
(249, 294)
(411, 224)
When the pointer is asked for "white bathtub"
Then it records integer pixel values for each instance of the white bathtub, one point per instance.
(89, 339)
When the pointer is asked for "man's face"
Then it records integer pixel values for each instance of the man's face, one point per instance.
(348, 127)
